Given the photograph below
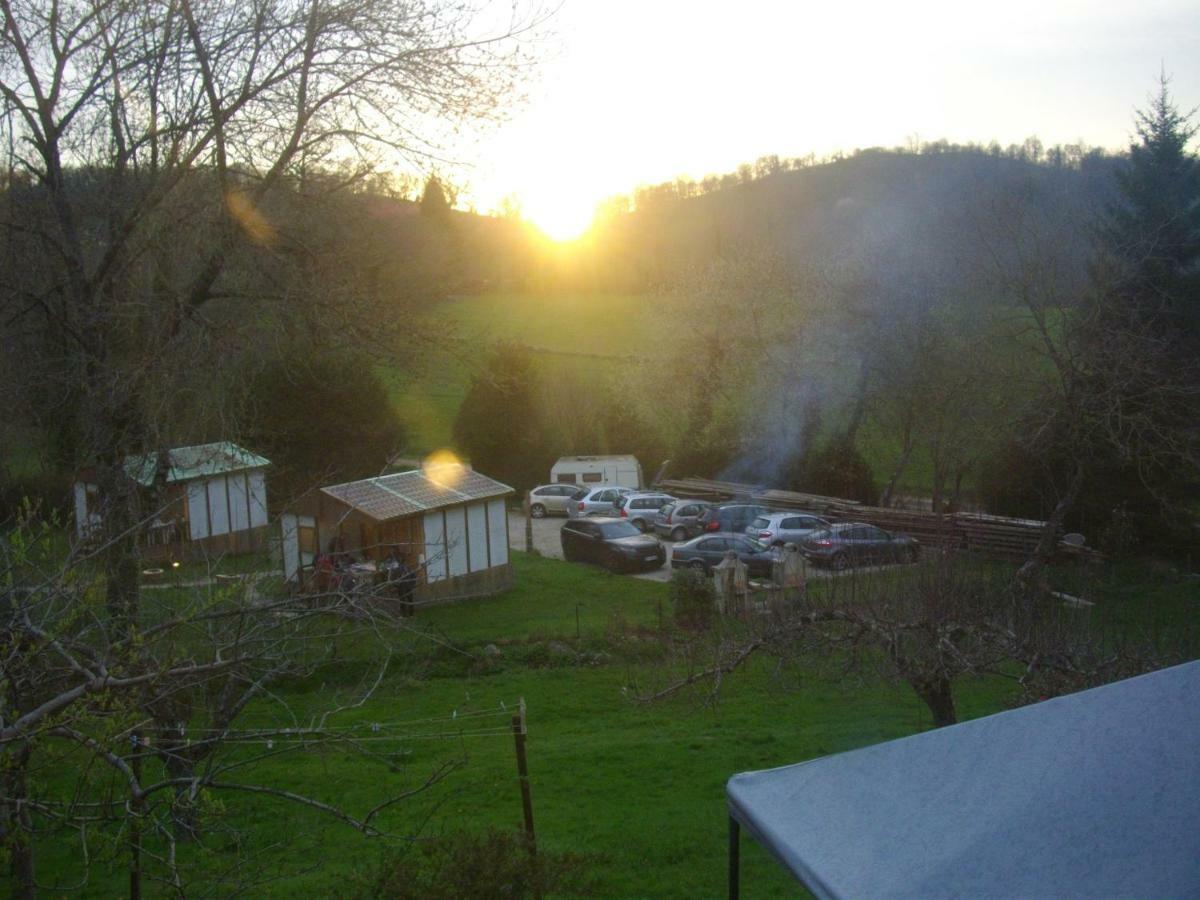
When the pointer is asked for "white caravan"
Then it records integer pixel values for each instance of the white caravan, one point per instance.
(588, 471)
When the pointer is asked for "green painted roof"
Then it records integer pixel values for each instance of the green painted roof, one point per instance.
(200, 461)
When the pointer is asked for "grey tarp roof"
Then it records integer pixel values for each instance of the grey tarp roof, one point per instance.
(1095, 794)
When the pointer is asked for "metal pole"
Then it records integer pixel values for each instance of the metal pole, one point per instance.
(734, 858)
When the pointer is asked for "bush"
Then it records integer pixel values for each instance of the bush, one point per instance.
(837, 470)
(693, 597)
(487, 866)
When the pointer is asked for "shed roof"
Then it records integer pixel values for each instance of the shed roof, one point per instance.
(1087, 795)
(197, 461)
(421, 490)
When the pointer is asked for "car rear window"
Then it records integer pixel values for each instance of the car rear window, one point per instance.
(619, 529)
(760, 522)
(621, 501)
(667, 508)
(579, 494)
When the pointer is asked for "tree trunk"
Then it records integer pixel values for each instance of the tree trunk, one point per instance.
(1048, 542)
(937, 695)
(15, 824)
(901, 465)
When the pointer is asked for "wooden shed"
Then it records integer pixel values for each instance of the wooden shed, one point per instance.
(447, 522)
(211, 499)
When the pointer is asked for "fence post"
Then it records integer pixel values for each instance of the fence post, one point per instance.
(518, 727)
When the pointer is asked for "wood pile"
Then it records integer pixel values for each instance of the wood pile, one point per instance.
(991, 535)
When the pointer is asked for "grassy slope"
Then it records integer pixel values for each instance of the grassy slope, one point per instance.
(585, 324)
(639, 786)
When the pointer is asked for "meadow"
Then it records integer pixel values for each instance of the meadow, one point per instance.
(636, 787)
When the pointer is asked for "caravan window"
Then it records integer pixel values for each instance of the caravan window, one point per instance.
(566, 479)
(592, 477)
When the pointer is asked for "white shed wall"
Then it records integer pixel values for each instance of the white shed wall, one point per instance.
(477, 536)
(435, 547)
(239, 501)
(456, 540)
(258, 499)
(218, 506)
(197, 509)
(497, 532)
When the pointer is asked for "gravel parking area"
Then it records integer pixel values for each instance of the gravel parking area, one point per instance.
(546, 542)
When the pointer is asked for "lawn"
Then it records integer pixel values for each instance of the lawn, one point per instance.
(638, 787)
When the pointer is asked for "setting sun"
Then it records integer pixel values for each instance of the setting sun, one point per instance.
(564, 218)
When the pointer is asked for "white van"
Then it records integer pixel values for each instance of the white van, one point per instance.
(590, 471)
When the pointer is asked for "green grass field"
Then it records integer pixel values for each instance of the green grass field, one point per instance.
(577, 330)
(637, 787)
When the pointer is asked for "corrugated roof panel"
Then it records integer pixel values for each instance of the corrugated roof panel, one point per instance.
(407, 493)
(196, 461)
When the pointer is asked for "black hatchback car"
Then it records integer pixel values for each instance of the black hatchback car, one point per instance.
(848, 543)
(706, 551)
(614, 543)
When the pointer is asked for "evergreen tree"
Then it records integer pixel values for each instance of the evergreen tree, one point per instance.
(1150, 241)
(434, 203)
(498, 428)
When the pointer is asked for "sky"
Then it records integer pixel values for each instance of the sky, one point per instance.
(636, 93)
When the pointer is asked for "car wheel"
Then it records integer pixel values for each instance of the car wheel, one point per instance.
(613, 563)
(912, 554)
(679, 534)
(698, 564)
(537, 511)
(839, 562)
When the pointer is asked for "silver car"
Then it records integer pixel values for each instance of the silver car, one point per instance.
(552, 500)
(677, 520)
(597, 501)
(779, 528)
(640, 509)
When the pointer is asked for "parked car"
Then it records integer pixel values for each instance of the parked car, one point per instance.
(597, 501)
(730, 517)
(552, 499)
(707, 550)
(614, 543)
(850, 543)
(779, 528)
(677, 519)
(640, 509)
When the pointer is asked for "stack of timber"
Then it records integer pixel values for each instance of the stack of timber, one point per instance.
(991, 535)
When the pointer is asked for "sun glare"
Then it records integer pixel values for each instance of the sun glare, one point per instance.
(442, 467)
(560, 219)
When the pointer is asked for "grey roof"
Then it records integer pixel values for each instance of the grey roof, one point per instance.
(198, 461)
(1095, 794)
(421, 490)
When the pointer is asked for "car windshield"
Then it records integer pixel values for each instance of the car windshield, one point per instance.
(619, 529)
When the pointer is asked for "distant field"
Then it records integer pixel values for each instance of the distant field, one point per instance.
(577, 328)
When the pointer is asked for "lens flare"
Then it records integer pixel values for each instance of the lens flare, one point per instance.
(444, 468)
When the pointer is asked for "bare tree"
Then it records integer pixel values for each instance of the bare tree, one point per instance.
(157, 707)
(926, 627)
